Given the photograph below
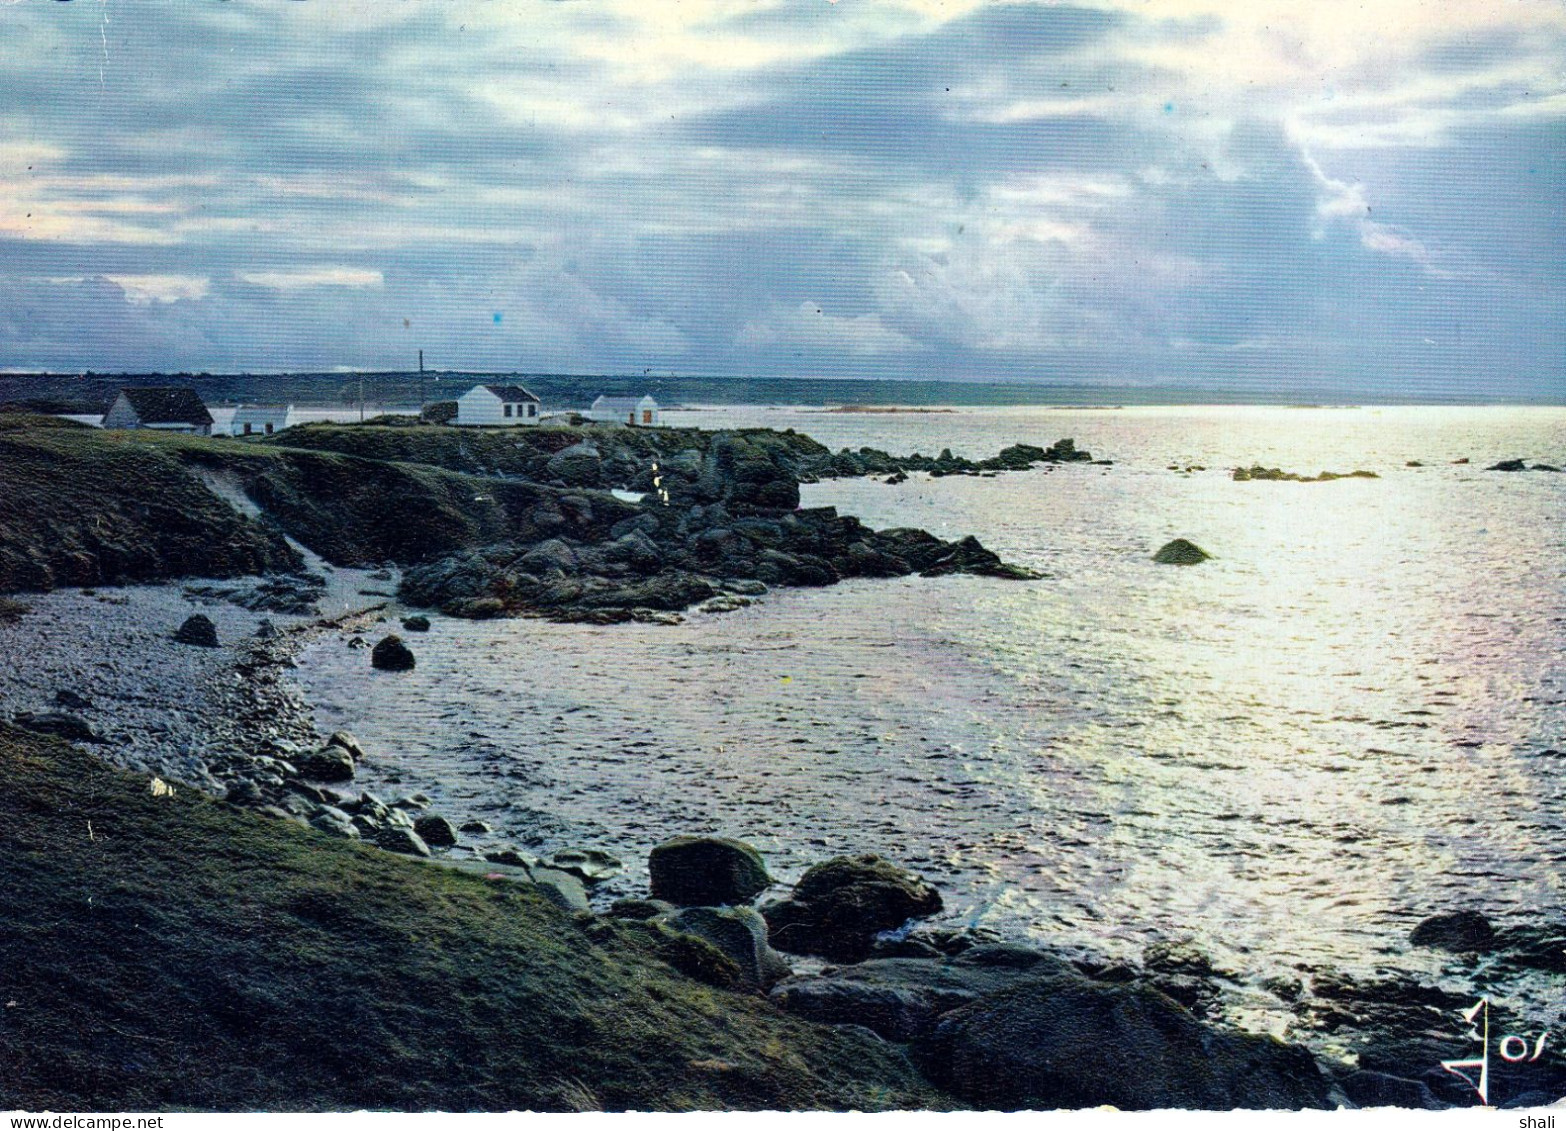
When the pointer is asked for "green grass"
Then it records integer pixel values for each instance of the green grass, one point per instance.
(172, 953)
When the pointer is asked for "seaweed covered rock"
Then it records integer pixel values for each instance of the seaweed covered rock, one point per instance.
(392, 655)
(1181, 552)
(702, 871)
(741, 934)
(838, 907)
(1065, 1042)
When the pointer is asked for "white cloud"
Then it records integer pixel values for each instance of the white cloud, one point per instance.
(809, 327)
(142, 290)
(312, 277)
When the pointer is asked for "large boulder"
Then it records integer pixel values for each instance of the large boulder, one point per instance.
(198, 631)
(903, 999)
(702, 871)
(1459, 931)
(740, 933)
(1066, 1042)
(330, 764)
(580, 465)
(838, 907)
(438, 832)
(562, 889)
(392, 655)
(395, 838)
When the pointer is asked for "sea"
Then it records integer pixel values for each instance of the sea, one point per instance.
(1352, 717)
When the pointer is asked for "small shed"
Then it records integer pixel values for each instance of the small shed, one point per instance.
(625, 410)
(259, 419)
(165, 408)
(497, 405)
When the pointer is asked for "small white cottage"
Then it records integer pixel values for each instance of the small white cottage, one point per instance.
(625, 410)
(259, 419)
(167, 409)
(496, 405)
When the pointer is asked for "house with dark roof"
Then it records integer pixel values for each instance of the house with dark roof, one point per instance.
(165, 408)
(625, 410)
(497, 405)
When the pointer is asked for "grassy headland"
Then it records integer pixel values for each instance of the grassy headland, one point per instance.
(173, 952)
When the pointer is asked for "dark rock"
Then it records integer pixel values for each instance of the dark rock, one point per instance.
(740, 933)
(1508, 465)
(395, 838)
(59, 724)
(244, 793)
(1377, 1089)
(437, 832)
(328, 764)
(346, 740)
(510, 854)
(838, 907)
(901, 999)
(478, 828)
(417, 623)
(197, 630)
(71, 701)
(1066, 1042)
(392, 655)
(334, 822)
(700, 871)
(1459, 931)
(1181, 552)
(640, 909)
(562, 889)
(1177, 958)
(590, 865)
(266, 630)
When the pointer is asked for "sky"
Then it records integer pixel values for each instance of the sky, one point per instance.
(1367, 197)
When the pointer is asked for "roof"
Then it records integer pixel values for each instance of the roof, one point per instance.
(620, 404)
(167, 405)
(510, 394)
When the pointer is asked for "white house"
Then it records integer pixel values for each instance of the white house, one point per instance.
(259, 419)
(625, 410)
(167, 409)
(497, 404)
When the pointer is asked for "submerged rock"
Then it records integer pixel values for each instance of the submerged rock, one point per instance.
(838, 907)
(392, 655)
(418, 623)
(197, 630)
(1461, 932)
(702, 871)
(1181, 552)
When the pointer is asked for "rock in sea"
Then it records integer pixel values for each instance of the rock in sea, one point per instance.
(330, 763)
(1181, 552)
(199, 631)
(392, 655)
(838, 907)
(1461, 932)
(701, 871)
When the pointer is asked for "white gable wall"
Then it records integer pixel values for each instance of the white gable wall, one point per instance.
(478, 406)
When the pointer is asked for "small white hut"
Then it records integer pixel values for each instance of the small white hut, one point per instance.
(625, 410)
(167, 409)
(259, 419)
(497, 405)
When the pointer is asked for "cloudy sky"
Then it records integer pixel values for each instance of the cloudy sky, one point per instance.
(1368, 195)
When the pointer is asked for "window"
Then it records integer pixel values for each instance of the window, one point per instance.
(532, 410)
(508, 410)
(247, 428)
(268, 427)
(646, 416)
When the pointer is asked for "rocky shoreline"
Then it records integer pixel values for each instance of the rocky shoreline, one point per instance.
(978, 1015)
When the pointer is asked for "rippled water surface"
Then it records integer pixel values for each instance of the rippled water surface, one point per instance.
(1354, 716)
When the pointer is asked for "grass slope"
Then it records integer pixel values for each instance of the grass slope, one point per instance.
(187, 955)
